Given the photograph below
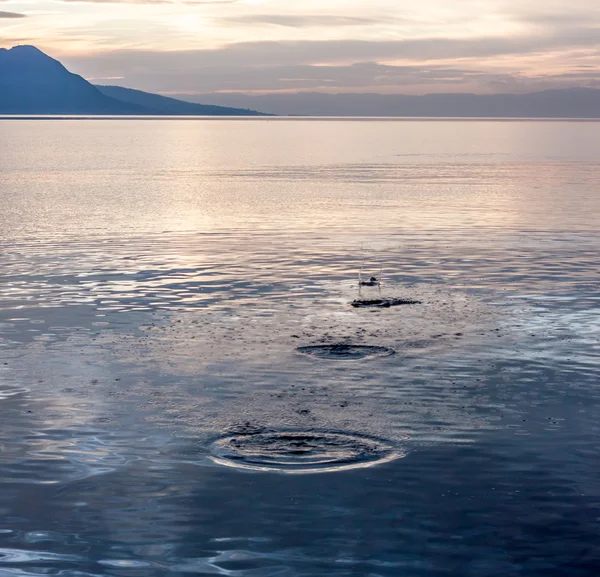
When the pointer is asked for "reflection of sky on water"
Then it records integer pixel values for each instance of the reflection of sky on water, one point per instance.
(128, 458)
(127, 350)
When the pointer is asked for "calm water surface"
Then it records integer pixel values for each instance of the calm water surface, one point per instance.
(157, 277)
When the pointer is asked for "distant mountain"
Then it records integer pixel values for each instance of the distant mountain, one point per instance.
(33, 83)
(568, 103)
(166, 105)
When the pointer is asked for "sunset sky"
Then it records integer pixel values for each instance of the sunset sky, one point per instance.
(388, 46)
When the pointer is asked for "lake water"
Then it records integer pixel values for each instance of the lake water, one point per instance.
(182, 385)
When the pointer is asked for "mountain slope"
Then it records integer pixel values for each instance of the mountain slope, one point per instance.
(33, 83)
(166, 105)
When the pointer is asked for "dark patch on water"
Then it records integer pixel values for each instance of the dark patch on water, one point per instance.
(383, 303)
(301, 451)
(373, 281)
(345, 352)
(247, 428)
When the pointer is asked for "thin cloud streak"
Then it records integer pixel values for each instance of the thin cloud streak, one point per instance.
(321, 52)
(152, 2)
(11, 15)
(301, 21)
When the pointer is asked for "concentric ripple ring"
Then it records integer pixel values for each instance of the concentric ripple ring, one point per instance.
(345, 352)
(301, 451)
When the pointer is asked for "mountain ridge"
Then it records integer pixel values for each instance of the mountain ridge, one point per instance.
(33, 83)
(171, 106)
(577, 102)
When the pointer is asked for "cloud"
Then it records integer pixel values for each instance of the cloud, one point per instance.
(11, 15)
(300, 21)
(537, 51)
(359, 77)
(173, 2)
(116, 1)
(561, 15)
(201, 2)
(336, 52)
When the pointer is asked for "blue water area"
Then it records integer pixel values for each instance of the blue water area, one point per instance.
(187, 389)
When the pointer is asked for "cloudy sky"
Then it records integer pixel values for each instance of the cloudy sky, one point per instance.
(386, 46)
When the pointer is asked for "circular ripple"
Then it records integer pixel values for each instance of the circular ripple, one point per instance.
(301, 451)
(345, 352)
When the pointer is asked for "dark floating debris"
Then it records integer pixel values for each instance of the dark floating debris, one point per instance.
(301, 451)
(373, 281)
(383, 303)
(345, 352)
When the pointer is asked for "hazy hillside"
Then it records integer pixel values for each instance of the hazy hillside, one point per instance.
(569, 103)
(166, 105)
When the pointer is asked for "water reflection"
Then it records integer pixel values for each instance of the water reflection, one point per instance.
(149, 309)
